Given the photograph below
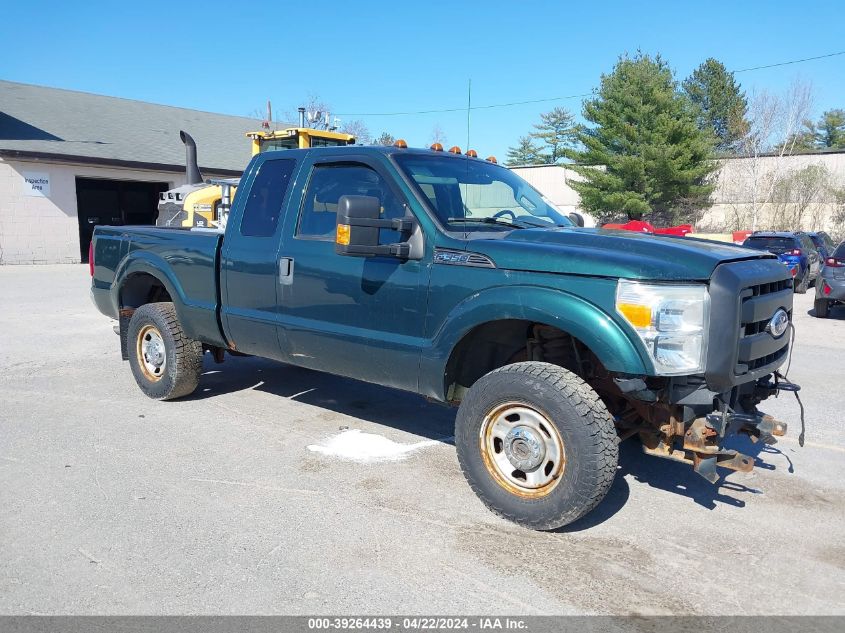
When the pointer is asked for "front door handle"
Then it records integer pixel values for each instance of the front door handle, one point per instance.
(286, 271)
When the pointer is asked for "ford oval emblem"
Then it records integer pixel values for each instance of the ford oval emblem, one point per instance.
(778, 323)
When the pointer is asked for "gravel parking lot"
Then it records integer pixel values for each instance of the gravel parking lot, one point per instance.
(114, 504)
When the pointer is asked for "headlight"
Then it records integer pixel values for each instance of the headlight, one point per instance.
(671, 321)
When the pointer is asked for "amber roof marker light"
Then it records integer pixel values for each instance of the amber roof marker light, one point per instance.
(454, 150)
(471, 153)
(436, 147)
(493, 160)
(401, 144)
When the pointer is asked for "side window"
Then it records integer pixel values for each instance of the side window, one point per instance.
(264, 205)
(329, 183)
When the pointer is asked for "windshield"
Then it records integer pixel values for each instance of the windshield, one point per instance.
(271, 145)
(319, 141)
(771, 244)
(478, 193)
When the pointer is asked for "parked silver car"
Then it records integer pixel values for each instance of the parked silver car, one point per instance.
(830, 286)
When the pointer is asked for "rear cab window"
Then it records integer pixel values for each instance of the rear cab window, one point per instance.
(264, 205)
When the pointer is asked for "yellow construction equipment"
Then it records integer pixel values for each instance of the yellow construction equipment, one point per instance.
(205, 204)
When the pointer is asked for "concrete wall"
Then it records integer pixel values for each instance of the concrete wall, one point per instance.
(748, 195)
(45, 230)
(553, 182)
(745, 194)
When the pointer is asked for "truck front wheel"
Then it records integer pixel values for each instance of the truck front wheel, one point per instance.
(166, 363)
(536, 444)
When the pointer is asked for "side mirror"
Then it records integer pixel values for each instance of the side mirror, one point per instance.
(358, 224)
(577, 218)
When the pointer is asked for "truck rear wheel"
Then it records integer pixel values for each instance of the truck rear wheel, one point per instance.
(166, 364)
(536, 444)
(822, 308)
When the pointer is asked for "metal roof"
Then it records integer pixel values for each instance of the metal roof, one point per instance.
(56, 124)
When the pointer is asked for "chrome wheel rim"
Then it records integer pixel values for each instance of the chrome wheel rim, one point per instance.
(150, 350)
(522, 449)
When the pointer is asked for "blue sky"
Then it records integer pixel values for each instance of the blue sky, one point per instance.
(376, 57)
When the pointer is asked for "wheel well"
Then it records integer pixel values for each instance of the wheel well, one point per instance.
(497, 343)
(142, 288)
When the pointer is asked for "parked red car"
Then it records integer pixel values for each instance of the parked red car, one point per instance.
(644, 227)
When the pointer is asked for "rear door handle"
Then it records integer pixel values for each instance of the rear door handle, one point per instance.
(286, 271)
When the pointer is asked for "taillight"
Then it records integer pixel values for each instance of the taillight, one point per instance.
(834, 263)
(91, 257)
(826, 289)
(796, 251)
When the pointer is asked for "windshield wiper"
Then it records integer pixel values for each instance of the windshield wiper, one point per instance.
(512, 224)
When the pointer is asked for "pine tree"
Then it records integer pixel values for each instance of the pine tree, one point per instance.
(385, 138)
(830, 130)
(827, 133)
(525, 152)
(644, 153)
(722, 104)
(556, 131)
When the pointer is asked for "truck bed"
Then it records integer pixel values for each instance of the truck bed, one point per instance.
(189, 259)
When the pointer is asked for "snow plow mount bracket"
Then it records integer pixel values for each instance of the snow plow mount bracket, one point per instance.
(700, 446)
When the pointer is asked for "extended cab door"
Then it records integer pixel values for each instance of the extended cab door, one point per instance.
(250, 269)
(362, 317)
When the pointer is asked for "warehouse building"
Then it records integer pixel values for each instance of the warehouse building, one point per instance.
(790, 192)
(71, 160)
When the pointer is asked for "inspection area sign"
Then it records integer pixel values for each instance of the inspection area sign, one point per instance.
(36, 183)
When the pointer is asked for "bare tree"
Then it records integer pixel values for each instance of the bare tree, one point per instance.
(359, 130)
(837, 219)
(438, 135)
(773, 121)
(810, 184)
(317, 114)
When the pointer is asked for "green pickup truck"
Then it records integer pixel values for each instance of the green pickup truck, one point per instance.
(449, 276)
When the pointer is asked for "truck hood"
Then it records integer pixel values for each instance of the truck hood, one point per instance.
(609, 253)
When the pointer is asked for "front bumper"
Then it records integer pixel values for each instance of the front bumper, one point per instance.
(745, 350)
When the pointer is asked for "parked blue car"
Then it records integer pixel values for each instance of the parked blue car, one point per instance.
(823, 243)
(795, 249)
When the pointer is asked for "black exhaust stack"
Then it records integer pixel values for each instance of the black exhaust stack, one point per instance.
(192, 169)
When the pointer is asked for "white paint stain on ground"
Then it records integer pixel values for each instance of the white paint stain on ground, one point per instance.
(355, 445)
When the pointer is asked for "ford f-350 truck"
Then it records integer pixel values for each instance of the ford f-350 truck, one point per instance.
(447, 275)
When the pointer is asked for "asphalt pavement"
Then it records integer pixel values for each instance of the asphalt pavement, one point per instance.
(243, 499)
